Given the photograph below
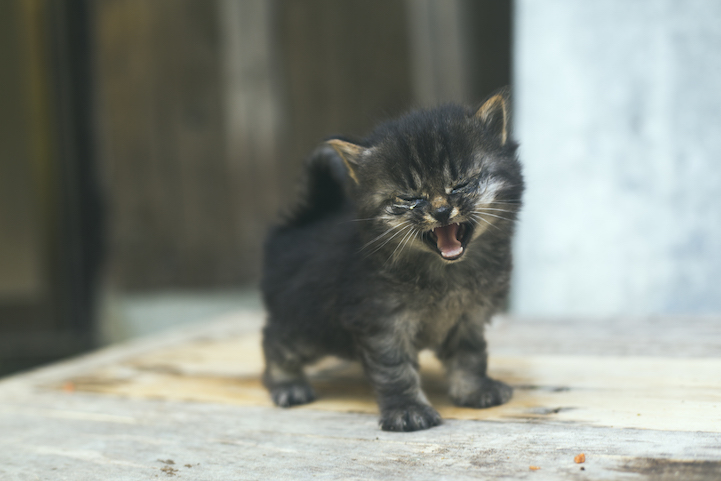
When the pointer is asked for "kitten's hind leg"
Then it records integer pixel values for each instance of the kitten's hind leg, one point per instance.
(466, 360)
(287, 388)
(283, 375)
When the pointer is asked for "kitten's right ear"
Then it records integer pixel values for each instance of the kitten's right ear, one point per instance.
(350, 153)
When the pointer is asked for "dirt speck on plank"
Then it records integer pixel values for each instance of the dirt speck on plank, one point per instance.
(169, 470)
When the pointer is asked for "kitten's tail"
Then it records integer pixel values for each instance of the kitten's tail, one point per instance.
(323, 188)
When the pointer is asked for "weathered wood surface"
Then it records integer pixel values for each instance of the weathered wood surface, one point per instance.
(641, 399)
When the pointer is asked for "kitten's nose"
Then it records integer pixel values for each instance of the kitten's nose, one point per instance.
(442, 213)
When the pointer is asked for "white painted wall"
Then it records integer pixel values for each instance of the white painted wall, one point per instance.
(618, 111)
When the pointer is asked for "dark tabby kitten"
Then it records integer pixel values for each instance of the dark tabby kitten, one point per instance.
(403, 242)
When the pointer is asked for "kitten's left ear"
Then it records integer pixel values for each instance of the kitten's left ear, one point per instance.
(494, 115)
(350, 153)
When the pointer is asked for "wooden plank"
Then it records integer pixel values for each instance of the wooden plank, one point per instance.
(25, 156)
(346, 67)
(438, 51)
(208, 110)
(159, 69)
(132, 426)
(622, 392)
(83, 437)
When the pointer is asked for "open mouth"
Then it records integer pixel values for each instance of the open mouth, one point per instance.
(450, 240)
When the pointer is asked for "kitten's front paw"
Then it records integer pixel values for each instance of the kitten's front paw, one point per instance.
(481, 393)
(292, 394)
(413, 417)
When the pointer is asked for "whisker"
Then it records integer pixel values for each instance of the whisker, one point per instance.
(399, 244)
(354, 220)
(390, 239)
(489, 223)
(410, 239)
(386, 232)
(406, 242)
(500, 210)
(413, 239)
(496, 216)
(475, 222)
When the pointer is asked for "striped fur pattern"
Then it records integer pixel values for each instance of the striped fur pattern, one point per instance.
(400, 242)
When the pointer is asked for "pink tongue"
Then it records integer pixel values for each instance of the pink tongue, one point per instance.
(447, 243)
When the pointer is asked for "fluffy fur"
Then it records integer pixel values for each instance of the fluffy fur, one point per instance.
(401, 242)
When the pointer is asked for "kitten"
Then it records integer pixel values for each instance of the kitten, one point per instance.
(402, 242)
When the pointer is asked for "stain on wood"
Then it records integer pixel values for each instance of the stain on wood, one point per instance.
(621, 392)
(659, 469)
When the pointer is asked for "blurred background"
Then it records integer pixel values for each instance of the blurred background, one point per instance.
(146, 146)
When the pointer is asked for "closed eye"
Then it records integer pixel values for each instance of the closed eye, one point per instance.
(461, 187)
(404, 203)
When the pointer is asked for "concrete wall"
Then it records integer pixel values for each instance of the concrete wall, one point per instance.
(618, 111)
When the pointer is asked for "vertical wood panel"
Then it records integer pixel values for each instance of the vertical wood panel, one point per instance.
(253, 122)
(440, 62)
(209, 109)
(346, 66)
(22, 138)
(161, 93)
(487, 32)
(48, 204)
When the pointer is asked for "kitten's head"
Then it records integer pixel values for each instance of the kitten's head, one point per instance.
(436, 180)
